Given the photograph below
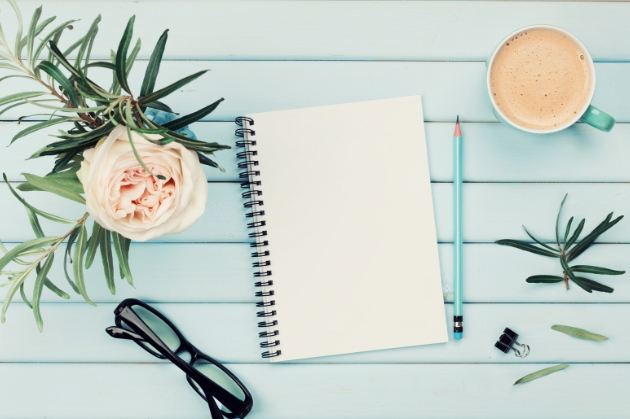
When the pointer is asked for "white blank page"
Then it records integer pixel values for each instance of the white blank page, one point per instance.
(351, 231)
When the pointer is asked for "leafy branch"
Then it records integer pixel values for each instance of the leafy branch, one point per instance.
(567, 248)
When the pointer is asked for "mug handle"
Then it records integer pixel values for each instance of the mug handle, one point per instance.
(598, 119)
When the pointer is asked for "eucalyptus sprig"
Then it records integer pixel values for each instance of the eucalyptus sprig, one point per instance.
(67, 95)
(567, 248)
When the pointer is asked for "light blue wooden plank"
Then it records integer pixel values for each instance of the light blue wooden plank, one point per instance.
(318, 391)
(493, 153)
(447, 88)
(228, 333)
(339, 30)
(492, 211)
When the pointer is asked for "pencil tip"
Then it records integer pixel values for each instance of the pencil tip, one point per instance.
(457, 119)
(458, 132)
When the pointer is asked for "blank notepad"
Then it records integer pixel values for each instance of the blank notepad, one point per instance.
(349, 229)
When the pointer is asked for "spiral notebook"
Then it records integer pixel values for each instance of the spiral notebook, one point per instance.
(338, 201)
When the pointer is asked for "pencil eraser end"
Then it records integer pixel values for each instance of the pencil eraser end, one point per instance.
(458, 335)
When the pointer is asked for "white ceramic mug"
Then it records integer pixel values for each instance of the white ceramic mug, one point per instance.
(588, 114)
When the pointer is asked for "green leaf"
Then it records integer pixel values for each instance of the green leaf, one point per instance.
(108, 260)
(18, 37)
(153, 68)
(578, 333)
(566, 233)
(39, 287)
(544, 279)
(32, 217)
(16, 282)
(596, 270)
(178, 123)
(38, 30)
(203, 159)
(41, 125)
(590, 239)
(541, 373)
(88, 41)
(24, 297)
(132, 56)
(30, 37)
(54, 187)
(19, 96)
(527, 247)
(121, 246)
(159, 106)
(576, 234)
(71, 240)
(62, 59)
(103, 64)
(46, 215)
(572, 276)
(93, 244)
(121, 55)
(129, 121)
(151, 97)
(539, 242)
(558, 219)
(48, 283)
(595, 286)
(37, 243)
(47, 38)
(63, 81)
(77, 264)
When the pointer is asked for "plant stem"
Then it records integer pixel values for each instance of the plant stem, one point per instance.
(54, 247)
(566, 277)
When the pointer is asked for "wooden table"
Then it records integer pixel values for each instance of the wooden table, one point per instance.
(278, 55)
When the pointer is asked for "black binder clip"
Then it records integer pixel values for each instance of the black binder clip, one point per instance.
(507, 342)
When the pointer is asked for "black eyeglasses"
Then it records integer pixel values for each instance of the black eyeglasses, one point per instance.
(225, 394)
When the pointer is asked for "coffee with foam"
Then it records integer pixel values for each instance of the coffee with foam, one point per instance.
(541, 79)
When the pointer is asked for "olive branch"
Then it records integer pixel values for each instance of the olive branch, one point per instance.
(567, 249)
(93, 112)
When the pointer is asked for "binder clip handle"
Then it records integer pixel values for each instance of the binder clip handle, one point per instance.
(507, 341)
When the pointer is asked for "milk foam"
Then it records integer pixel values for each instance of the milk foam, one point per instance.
(540, 79)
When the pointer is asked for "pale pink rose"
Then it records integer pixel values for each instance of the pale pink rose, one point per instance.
(122, 197)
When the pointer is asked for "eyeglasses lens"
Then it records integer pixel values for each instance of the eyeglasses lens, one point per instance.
(217, 375)
(158, 326)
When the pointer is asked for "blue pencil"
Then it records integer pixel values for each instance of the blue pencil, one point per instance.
(458, 318)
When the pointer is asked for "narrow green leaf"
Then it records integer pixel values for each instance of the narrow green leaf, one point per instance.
(93, 244)
(595, 286)
(578, 333)
(103, 64)
(558, 220)
(41, 125)
(48, 283)
(544, 279)
(541, 373)
(121, 55)
(203, 159)
(63, 81)
(572, 276)
(88, 39)
(129, 122)
(54, 187)
(73, 185)
(596, 270)
(153, 68)
(19, 96)
(16, 282)
(575, 235)
(32, 217)
(46, 215)
(66, 256)
(122, 252)
(159, 106)
(566, 233)
(539, 242)
(152, 97)
(24, 297)
(10, 67)
(62, 58)
(39, 287)
(37, 243)
(527, 247)
(77, 264)
(590, 239)
(30, 37)
(183, 121)
(132, 56)
(38, 30)
(51, 35)
(18, 37)
(108, 260)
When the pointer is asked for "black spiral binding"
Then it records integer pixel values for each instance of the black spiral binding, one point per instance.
(254, 201)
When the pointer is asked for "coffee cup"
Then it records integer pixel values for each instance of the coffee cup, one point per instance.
(541, 79)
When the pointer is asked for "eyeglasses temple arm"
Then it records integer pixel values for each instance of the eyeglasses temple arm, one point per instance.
(120, 333)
